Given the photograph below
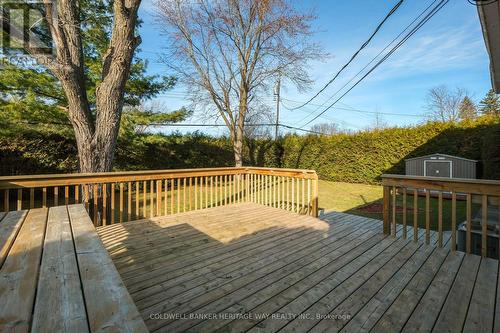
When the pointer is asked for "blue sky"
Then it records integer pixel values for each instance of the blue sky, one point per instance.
(449, 50)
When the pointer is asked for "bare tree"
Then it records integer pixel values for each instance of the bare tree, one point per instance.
(95, 122)
(227, 52)
(326, 128)
(443, 104)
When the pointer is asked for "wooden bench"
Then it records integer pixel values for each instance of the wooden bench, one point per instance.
(56, 275)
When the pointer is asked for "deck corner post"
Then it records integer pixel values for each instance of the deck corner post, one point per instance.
(387, 199)
(314, 199)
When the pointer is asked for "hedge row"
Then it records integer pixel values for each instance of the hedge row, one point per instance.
(360, 157)
(364, 156)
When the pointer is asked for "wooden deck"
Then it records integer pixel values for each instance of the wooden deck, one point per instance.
(55, 275)
(248, 267)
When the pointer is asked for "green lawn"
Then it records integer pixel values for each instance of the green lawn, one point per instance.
(350, 198)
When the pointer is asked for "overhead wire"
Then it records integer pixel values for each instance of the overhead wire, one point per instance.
(371, 61)
(433, 12)
(364, 45)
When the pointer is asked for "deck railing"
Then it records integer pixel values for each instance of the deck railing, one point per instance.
(125, 196)
(445, 203)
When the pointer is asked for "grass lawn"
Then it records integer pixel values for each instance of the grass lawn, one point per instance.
(350, 198)
(342, 197)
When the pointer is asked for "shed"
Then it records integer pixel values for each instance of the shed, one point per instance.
(441, 165)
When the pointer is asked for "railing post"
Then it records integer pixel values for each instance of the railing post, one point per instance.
(314, 200)
(386, 208)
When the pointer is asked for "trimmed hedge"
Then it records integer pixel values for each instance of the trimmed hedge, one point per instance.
(364, 156)
(359, 157)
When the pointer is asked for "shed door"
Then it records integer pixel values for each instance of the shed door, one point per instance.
(438, 169)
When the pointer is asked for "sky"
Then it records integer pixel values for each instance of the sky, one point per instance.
(448, 50)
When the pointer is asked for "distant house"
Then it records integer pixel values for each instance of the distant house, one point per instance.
(441, 165)
(489, 15)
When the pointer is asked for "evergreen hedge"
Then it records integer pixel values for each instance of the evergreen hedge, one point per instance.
(359, 157)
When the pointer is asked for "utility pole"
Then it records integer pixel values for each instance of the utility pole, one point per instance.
(277, 96)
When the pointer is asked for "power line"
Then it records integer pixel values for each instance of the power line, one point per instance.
(223, 125)
(365, 44)
(357, 110)
(433, 12)
(374, 58)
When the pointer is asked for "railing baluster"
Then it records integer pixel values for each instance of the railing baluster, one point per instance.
(6, 200)
(236, 187)
(184, 194)
(178, 195)
(129, 201)
(191, 192)
(121, 202)
(225, 189)
(302, 209)
(56, 196)
(166, 197)
(196, 193)
(394, 194)
(427, 217)
(44, 198)
(266, 190)
(66, 195)
(172, 196)
(158, 198)
(104, 204)
(86, 191)
(19, 199)
(77, 194)
(96, 204)
(309, 199)
(293, 195)
(274, 192)
(216, 190)
(112, 217)
(484, 225)
(415, 215)
(404, 214)
(151, 198)
(440, 219)
(211, 191)
(453, 221)
(289, 195)
(137, 200)
(469, 222)
(32, 198)
(144, 199)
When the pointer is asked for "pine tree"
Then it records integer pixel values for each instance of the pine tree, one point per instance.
(467, 109)
(490, 104)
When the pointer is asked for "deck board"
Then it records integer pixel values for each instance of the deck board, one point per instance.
(58, 277)
(247, 267)
(18, 276)
(59, 303)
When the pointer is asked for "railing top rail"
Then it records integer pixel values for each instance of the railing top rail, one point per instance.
(443, 179)
(7, 182)
(459, 185)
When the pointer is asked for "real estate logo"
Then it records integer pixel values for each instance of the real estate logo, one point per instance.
(25, 27)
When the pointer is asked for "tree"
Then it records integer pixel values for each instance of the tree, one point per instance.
(137, 120)
(94, 43)
(467, 109)
(229, 51)
(443, 104)
(490, 104)
(326, 128)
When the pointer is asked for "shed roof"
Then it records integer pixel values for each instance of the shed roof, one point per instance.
(443, 155)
